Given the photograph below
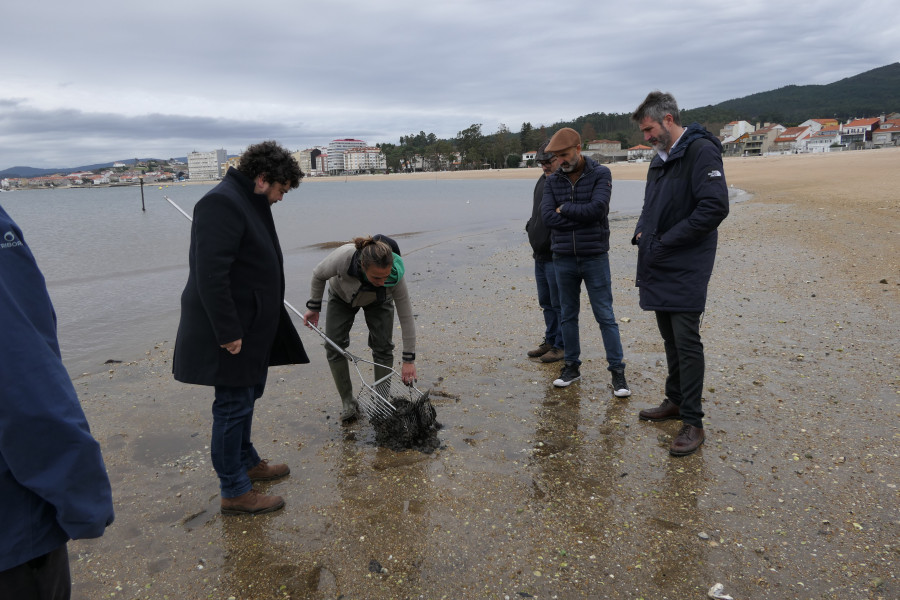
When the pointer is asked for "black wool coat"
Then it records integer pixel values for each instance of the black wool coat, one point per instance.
(235, 290)
(684, 201)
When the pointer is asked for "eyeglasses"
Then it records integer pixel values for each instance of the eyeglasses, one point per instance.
(545, 163)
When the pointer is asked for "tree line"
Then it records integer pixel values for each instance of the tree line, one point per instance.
(502, 149)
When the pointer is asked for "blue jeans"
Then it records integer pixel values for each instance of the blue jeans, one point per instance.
(232, 451)
(594, 272)
(548, 298)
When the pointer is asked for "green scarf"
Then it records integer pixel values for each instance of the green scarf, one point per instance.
(397, 270)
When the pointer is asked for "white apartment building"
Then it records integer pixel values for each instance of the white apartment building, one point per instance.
(206, 165)
(735, 129)
(336, 150)
(364, 159)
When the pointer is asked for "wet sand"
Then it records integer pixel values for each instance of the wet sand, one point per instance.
(548, 493)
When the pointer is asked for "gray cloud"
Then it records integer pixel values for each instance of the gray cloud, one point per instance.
(98, 81)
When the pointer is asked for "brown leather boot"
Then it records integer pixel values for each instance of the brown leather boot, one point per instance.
(541, 350)
(665, 411)
(266, 472)
(687, 441)
(553, 355)
(251, 503)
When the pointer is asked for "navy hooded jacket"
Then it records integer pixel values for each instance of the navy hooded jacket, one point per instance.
(685, 199)
(53, 482)
(581, 227)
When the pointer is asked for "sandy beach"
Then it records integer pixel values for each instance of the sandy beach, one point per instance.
(538, 492)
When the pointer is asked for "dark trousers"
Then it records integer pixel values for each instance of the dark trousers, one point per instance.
(43, 578)
(339, 317)
(684, 355)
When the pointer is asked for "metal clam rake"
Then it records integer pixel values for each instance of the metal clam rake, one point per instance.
(373, 399)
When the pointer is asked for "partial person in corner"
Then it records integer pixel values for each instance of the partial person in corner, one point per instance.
(685, 200)
(550, 349)
(366, 273)
(234, 324)
(53, 481)
(575, 207)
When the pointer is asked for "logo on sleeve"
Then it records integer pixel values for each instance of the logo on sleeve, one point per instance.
(10, 240)
(714, 174)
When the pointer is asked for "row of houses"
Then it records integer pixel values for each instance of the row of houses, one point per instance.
(740, 138)
(86, 178)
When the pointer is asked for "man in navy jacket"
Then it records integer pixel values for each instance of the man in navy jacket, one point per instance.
(575, 207)
(53, 482)
(684, 201)
(233, 321)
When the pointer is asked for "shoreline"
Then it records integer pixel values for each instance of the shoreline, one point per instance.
(560, 492)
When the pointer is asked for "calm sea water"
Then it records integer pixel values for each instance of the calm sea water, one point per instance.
(115, 273)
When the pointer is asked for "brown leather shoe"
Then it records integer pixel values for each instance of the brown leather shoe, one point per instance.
(665, 411)
(251, 503)
(687, 441)
(541, 350)
(266, 472)
(553, 355)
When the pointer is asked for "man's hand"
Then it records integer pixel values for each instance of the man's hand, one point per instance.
(311, 318)
(232, 347)
(408, 373)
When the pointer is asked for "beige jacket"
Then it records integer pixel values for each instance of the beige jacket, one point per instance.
(333, 270)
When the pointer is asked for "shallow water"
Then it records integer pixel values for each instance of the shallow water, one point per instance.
(116, 272)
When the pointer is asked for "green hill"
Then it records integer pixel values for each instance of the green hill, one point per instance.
(868, 94)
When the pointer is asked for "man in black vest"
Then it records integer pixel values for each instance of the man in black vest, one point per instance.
(685, 200)
(551, 347)
(234, 324)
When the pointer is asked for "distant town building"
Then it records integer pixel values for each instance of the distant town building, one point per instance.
(206, 165)
(234, 161)
(605, 147)
(360, 160)
(857, 134)
(886, 133)
(735, 146)
(819, 124)
(641, 153)
(762, 139)
(336, 150)
(312, 161)
(734, 130)
(792, 140)
(824, 140)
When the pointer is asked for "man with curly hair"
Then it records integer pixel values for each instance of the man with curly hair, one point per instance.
(234, 324)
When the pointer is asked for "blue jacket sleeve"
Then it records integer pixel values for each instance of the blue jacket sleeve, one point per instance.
(45, 443)
(551, 200)
(711, 194)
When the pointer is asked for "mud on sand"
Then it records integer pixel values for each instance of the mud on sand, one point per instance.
(560, 493)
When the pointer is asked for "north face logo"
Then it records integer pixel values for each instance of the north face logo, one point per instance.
(714, 174)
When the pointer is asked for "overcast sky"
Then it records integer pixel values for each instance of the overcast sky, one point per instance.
(96, 81)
